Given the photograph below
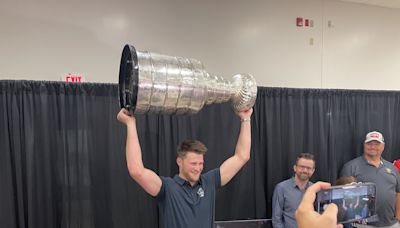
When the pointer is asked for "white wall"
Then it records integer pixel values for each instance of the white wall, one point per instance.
(362, 48)
(45, 40)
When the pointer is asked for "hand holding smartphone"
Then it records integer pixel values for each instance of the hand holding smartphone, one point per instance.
(355, 202)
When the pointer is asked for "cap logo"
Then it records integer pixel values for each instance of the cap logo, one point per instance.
(374, 135)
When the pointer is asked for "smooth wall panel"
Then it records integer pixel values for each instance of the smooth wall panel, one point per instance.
(44, 40)
(361, 47)
(349, 46)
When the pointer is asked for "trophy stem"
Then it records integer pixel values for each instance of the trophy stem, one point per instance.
(219, 90)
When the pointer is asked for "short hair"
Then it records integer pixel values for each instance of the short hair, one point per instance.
(307, 156)
(346, 180)
(190, 145)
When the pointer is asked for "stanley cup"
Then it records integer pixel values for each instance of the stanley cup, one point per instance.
(156, 83)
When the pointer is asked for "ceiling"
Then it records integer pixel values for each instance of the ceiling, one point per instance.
(383, 3)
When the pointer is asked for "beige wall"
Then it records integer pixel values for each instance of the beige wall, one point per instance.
(46, 40)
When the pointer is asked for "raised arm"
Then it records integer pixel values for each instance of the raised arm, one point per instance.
(344, 205)
(146, 178)
(358, 202)
(233, 164)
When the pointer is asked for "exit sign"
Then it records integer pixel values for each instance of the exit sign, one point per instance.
(74, 78)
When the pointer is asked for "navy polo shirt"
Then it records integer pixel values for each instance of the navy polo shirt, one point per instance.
(387, 182)
(184, 206)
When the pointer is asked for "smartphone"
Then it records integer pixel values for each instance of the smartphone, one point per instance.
(355, 202)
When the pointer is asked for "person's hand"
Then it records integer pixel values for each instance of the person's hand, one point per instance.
(245, 114)
(362, 221)
(125, 117)
(306, 217)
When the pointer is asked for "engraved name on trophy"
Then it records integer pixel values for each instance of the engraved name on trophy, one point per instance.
(156, 83)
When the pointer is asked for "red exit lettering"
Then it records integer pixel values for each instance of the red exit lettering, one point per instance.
(73, 78)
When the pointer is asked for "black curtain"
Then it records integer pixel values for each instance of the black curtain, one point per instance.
(62, 156)
(331, 124)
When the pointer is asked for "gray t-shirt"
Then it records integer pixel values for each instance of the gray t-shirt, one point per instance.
(183, 205)
(387, 182)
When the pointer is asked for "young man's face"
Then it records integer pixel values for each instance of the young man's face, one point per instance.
(190, 166)
(304, 169)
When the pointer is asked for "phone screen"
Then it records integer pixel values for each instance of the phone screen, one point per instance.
(355, 202)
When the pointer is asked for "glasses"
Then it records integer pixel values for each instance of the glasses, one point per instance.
(301, 167)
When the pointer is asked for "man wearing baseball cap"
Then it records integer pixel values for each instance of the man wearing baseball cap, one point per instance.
(371, 167)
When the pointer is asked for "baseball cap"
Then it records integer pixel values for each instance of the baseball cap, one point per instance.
(374, 136)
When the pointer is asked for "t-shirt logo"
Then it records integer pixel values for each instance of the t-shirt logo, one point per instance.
(200, 192)
(388, 170)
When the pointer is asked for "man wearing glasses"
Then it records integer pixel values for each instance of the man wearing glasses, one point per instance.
(288, 194)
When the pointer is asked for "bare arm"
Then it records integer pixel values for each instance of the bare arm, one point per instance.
(358, 201)
(344, 205)
(146, 178)
(233, 164)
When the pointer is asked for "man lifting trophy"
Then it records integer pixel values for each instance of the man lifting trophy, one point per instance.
(155, 83)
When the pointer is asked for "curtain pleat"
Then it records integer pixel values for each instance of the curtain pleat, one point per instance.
(62, 151)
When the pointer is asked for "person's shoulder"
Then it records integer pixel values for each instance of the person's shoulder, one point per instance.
(285, 183)
(388, 164)
(355, 161)
(211, 178)
(350, 167)
(210, 174)
(168, 180)
(166, 184)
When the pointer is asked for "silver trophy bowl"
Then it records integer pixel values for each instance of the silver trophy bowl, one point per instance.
(156, 83)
